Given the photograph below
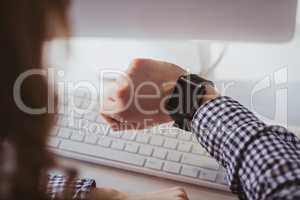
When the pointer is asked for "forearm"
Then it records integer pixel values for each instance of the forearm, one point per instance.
(253, 153)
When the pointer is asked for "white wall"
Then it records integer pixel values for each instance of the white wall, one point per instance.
(248, 65)
(244, 66)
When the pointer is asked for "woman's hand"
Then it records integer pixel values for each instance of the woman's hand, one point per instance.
(139, 100)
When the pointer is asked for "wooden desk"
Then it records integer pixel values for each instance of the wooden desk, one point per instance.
(132, 182)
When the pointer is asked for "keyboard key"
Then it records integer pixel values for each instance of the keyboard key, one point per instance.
(129, 135)
(63, 121)
(93, 128)
(222, 179)
(195, 139)
(208, 175)
(143, 138)
(76, 101)
(115, 134)
(104, 141)
(170, 143)
(159, 153)
(104, 129)
(77, 115)
(185, 136)
(53, 142)
(96, 108)
(73, 123)
(145, 150)
(185, 146)
(104, 153)
(65, 133)
(174, 156)
(190, 171)
(118, 144)
(132, 147)
(222, 169)
(100, 119)
(172, 167)
(206, 154)
(91, 116)
(86, 104)
(198, 149)
(150, 131)
(77, 136)
(80, 93)
(91, 139)
(201, 161)
(157, 140)
(169, 133)
(153, 163)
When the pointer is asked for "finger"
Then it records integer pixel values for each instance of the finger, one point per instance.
(130, 126)
(109, 119)
(111, 105)
(114, 124)
(117, 125)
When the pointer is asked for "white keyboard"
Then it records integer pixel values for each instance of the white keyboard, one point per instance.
(162, 151)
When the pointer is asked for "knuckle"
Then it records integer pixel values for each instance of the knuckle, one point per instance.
(137, 61)
(136, 64)
(121, 117)
(117, 117)
(124, 92)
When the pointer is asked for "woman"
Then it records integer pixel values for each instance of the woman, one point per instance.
(24, 26)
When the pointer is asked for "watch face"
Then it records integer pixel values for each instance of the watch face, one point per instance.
(186, 96)
(173, 102)
(186, 99)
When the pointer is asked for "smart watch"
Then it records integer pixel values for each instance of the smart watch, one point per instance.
(186, 98)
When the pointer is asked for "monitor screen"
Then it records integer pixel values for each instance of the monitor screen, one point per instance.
(228, 20)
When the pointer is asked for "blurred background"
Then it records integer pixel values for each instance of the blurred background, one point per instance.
(265, 77)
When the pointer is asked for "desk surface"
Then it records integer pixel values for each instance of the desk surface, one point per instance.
(132, 182)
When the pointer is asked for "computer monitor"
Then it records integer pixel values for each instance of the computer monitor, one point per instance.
(233, 20)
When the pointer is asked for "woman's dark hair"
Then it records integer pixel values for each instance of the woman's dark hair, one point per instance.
(24, 27)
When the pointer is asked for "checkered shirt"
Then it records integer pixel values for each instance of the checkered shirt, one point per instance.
(80, 188)
(262, 162)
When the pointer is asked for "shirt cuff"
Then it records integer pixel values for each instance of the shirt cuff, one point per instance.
(224, 128)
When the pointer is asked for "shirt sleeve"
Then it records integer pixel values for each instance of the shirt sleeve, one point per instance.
(262, 162)
(80, 188)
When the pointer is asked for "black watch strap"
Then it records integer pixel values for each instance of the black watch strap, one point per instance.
(186, 99)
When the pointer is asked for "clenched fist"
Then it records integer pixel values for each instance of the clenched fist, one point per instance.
(139, 99)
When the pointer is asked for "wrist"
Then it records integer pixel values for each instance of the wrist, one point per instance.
(190, 92)
(211, 93)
